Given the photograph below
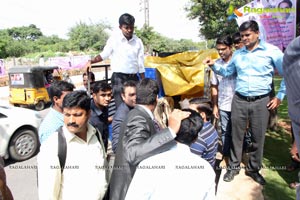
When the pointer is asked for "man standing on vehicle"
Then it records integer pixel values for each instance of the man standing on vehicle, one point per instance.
(126, 52)
(54, 118)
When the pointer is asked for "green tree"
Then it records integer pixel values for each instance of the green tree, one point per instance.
(17, 48)
(212, 15)
(25, 33)
(83, 36)
(147, 35)
(5, 39)
(52, 43)
(155, 41)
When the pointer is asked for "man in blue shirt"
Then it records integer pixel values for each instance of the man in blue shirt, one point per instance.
(55, 119)
(254, 67)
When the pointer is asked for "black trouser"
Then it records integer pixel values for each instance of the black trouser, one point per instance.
(117, 81)
(256, 112)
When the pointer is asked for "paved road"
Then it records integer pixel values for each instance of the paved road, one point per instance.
(21, 179)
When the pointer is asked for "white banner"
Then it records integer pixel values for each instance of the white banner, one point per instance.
(2, 68)
(71, 62)
(276, 20)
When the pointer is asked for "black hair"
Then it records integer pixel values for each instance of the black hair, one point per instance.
(225, 40)
(146, 92)
(126, 84)
(100, 86)
(203, 105)
(91, 74)
(189, 128)
(206, 108)
(251, 24)
(78, 99)
(236, 38)
(126, 19)
(58, 87)
(286, 1)
(198, 100)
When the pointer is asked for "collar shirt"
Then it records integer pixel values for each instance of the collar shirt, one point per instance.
(147, 110)
(99, 114)
(50, 124)
(206, 144)
(84, 175)
(156, 125)
(157, 177)
(125, 56)
(226, 88)
(99, 119)
(254, 70)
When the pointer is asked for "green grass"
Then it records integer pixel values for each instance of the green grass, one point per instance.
(276, 157)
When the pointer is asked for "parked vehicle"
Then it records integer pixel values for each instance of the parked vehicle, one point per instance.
(19, 132)
(28, 85)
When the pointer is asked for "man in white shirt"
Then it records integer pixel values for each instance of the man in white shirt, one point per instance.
(176, 173)
(84, 173)
(126, 52)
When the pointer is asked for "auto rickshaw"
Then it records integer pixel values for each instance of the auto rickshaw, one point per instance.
(28, 85)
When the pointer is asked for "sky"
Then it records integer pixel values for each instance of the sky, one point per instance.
(56, 17)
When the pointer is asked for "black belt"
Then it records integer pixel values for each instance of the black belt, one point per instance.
(126, 75)
(251, 98)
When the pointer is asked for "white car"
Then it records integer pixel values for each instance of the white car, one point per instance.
(19, 132)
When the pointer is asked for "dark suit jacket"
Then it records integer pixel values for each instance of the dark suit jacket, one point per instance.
(137, 141)
(99, 119)
(119, 117)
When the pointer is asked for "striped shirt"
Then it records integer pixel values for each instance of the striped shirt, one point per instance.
(207, 143)
(226, 87)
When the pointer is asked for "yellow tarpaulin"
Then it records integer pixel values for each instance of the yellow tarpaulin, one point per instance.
(182, 73)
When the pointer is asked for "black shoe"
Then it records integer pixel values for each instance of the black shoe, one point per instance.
(229, 175)
(249, 148)
(256, 177)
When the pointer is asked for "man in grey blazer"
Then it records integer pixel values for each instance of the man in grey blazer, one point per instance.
(291, 74)
(138, 139)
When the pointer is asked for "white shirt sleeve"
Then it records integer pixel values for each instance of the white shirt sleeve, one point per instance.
(213, 78)
(108, 49)
(141, 59)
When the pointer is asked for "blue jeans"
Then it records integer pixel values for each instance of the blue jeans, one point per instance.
(225, 119)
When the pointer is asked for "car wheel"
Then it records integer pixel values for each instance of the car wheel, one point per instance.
(23, 145)
(40, 106)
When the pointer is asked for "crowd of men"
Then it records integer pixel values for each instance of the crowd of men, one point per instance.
(79, 160)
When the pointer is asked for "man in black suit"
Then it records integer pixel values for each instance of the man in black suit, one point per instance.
(128, 95)
(101, 97)
(138, 139)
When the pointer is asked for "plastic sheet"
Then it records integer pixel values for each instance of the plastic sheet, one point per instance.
(183, 73)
